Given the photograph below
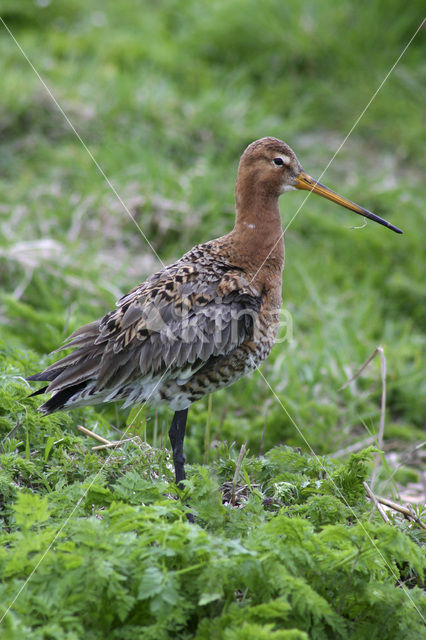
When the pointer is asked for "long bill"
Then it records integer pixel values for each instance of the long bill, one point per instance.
(304, 181)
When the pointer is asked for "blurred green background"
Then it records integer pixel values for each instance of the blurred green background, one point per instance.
(166, 95)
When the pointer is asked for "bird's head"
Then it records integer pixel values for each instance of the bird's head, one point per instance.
(269, 167)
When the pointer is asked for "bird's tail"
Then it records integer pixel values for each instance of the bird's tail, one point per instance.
(72, 380)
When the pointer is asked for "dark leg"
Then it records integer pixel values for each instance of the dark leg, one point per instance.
(176, 435)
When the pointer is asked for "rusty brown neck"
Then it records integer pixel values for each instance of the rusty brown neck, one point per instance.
(258, 230)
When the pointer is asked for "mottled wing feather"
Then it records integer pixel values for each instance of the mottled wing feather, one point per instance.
(164, 330)
(173, 324)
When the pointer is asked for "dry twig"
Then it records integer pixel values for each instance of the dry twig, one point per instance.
(94, 435)
(376, 503)
(407, 511)
(115, 443)
(12, 431)
(378, 350)
(106, 444)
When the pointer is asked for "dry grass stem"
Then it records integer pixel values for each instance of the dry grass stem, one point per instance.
(12, 431)
(116, 443)
(407, 511)
(376, 502)
(378, 350)
(92, 434)
(106, 444)
(361, 369)
(239, 494)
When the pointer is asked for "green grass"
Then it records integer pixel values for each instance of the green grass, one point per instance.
(166, 95)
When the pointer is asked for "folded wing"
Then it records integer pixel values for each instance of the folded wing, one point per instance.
(169, 327)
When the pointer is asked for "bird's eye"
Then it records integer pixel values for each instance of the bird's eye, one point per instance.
(278, 162)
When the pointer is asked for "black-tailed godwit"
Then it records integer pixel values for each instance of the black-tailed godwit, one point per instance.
(201, 323)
